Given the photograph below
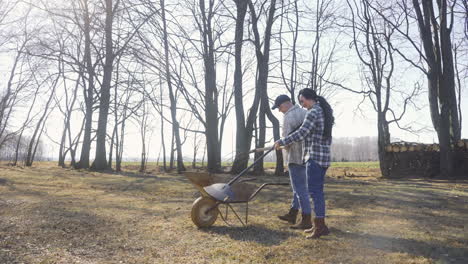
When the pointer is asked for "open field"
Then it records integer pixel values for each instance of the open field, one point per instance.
(54, 215)
(352, 164)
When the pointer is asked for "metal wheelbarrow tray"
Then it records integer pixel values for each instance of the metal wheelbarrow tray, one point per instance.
(205, 209)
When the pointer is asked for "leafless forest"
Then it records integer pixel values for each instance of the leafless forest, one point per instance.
(89, 71)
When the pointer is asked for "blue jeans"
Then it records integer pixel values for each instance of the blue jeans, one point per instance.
(315, 180)
(297, 174)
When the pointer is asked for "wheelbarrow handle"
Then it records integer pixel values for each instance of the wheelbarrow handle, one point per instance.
(249, 167)
(265, 149)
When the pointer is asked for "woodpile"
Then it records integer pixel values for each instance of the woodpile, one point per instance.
(415, 159)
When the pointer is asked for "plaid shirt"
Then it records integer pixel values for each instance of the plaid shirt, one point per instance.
(316, 146)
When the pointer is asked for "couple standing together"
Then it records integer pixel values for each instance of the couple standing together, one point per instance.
(307, 139)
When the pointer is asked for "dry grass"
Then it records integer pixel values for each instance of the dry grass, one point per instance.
(54, 215)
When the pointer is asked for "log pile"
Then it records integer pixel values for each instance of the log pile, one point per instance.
(413, 159)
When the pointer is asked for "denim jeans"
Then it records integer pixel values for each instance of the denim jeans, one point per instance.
(315, 180)
(297, 174)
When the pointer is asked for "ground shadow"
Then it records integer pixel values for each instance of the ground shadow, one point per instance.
(252, 233)
(48, 225)
(435, 251)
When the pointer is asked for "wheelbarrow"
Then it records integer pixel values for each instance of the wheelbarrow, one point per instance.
(206, 209)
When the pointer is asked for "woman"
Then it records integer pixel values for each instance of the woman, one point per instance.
(316, 132)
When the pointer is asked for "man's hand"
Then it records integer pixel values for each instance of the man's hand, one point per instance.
(278, 145)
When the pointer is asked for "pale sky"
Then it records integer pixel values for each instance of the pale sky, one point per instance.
(349, 121)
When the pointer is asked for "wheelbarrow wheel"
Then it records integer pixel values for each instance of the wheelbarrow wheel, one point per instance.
(201, 217)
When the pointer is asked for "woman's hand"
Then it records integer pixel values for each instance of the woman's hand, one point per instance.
(278, 145)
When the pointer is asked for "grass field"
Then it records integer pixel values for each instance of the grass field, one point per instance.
(54, 215)
(351, 164)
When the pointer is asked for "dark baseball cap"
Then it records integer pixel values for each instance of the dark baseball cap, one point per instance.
(279, 100)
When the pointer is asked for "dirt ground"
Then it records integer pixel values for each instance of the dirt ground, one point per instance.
(54, 215)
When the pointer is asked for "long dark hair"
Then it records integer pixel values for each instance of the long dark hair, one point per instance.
(327, 110)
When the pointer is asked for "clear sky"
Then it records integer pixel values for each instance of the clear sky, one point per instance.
(350, 122)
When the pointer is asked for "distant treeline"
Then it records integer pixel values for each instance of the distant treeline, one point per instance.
(355, 149)
(350, 149)
(14, 150)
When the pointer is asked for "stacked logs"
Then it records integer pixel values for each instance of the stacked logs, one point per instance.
(462, 145)
(414, 159)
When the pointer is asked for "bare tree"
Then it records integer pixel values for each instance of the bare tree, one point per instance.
(51, 80)
(70, 100)
(173, 107)
(161, 114)
(25, 125)
(435, 60)
(199, 47)
(100, 162)
(155, 35)
(143, 123)
(372, 41)
(242, 139)
(88, 80)
(15, 84)
(204, 21)
(263, 55)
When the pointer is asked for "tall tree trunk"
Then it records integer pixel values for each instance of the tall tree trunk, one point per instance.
(195, 150)
(143, 126)
(100, 162)
(116, 119)
(163, 140)
(74, 143)
(120, 144)
(171, 159)
(111, 147)
(441, 78)
(241, 159)
(259, 168)
(61, 161)
(263, 59)
(383, 139)
(242, 147)
(18, 145)
(211, 91)
(175, 122)
(143, 153)
(279, 167)
(88, 91)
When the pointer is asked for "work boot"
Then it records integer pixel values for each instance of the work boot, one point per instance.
(290, 217)
(305, 223)
(320, 228)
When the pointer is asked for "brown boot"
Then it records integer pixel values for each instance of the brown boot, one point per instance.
(305, 223)
(290, 217)
(320, 228)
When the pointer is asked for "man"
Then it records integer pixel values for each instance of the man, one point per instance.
(293, 118)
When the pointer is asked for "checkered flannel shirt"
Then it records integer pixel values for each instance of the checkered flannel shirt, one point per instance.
(316, 146)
